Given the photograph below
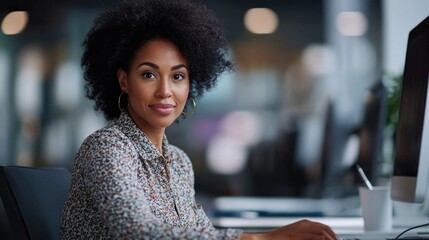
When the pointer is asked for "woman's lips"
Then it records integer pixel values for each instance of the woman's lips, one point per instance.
(163, 109)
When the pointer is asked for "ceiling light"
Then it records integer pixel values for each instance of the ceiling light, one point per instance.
(14, 22)
(261, 20)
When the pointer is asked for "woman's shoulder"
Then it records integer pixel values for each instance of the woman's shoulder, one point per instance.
(180, 158)
(175, 149)
(107, 138)
(177, 152)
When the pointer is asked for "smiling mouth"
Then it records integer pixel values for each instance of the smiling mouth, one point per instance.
(163, 109)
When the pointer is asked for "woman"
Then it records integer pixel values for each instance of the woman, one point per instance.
(144, 63)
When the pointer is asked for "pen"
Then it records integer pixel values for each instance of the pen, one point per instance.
(364, 178)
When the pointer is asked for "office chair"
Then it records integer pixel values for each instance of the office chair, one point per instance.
(33, 199)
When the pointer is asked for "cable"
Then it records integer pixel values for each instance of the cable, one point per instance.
(409, 229)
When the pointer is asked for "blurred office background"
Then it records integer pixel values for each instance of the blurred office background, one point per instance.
(286, 123)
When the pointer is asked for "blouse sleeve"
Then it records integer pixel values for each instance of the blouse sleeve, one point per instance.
(109, 173)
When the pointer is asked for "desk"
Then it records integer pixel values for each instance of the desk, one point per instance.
(342, 215)
(341, 225)
(349, 206)
(338, 224)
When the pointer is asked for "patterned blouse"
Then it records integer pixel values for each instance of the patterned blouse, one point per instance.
(120, 190)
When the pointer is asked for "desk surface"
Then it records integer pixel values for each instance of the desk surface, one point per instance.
(278, 206)
(342, 215)
(343, 225)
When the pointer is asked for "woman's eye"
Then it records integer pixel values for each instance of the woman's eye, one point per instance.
(178, 77)
(148, 75)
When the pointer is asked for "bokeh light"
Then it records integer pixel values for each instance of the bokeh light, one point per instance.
(261, 20)
(352, 23)
(14, 22)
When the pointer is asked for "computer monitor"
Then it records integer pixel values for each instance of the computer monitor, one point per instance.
(411, 164)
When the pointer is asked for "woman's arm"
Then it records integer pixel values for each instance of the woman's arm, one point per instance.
(300, 230)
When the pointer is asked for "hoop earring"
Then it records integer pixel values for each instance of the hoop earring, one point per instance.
(119, 102)
(194, 105)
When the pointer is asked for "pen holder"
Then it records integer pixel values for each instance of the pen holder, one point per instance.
(376, 208)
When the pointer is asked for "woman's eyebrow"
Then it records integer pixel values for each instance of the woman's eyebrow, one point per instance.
(179, 67)
(152, 65)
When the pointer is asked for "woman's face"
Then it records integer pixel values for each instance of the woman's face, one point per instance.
(157, 84)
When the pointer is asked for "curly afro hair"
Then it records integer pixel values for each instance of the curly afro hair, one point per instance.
(117, 34)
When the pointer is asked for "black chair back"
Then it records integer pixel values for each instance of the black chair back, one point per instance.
(33, 199)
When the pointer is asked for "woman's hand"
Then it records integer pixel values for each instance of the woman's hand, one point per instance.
(301, 230)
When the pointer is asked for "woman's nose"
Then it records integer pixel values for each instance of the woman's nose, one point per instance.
(164, 89)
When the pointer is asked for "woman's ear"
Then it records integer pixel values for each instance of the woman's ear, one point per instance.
(122, 78)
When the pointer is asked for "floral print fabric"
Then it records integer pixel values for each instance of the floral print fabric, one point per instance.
(120, 190)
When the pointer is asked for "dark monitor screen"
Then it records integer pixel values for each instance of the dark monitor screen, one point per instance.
(411, 165)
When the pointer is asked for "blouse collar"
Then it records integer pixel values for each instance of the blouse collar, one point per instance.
(128, 126)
